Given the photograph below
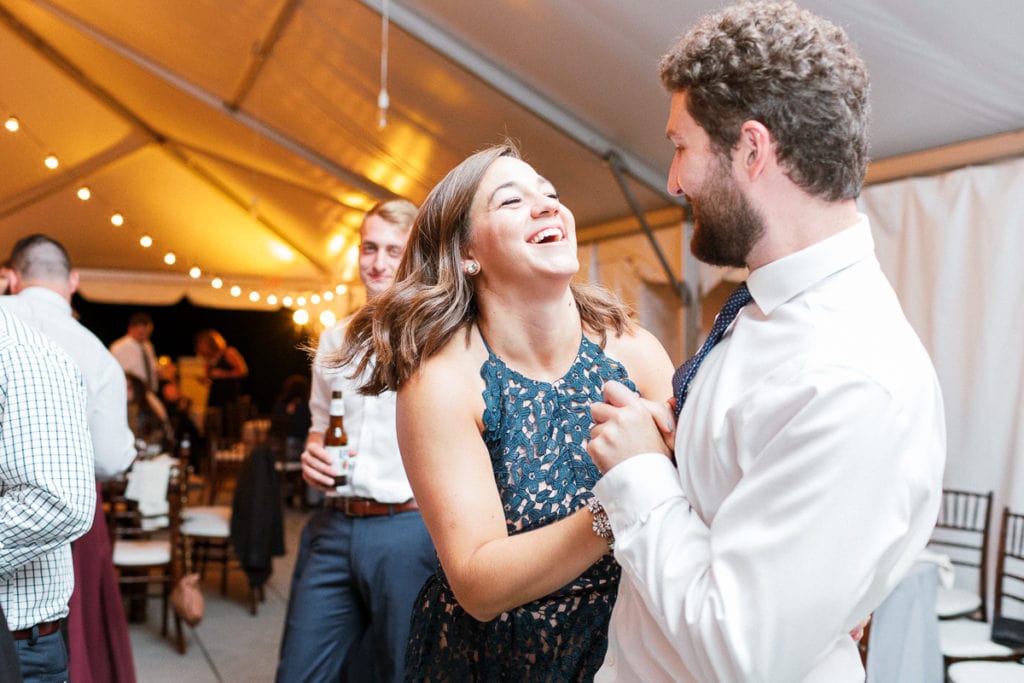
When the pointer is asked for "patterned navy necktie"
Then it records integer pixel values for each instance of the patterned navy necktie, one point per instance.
(686, 372)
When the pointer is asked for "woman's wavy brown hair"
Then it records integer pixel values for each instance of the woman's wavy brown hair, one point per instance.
(432, 298)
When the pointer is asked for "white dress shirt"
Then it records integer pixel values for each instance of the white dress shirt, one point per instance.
(50, 313)
(47, 486)
(132, 356)
(369, 423)
(811, 451)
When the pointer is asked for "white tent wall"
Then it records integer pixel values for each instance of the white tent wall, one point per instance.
(951, 245)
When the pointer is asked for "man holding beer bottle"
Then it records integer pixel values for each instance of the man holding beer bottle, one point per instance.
(364, 555)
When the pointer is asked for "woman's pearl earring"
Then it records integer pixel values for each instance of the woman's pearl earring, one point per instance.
(471, 268)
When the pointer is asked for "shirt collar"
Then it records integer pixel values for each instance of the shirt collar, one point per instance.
(779, 281)
(47, 297)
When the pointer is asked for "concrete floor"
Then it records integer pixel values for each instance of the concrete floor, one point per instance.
(230, 645)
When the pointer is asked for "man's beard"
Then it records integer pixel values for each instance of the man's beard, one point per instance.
(725, 225)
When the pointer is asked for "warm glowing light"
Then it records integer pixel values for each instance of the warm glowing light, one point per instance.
(51, 162)
(357, 199)
(282, 251)
(194, 272)
(146, 241)
(336, 244)
(272, 299)
(301, 316)
(216, 283)
(328, 295)
(327, 317)
(117, 219)
(314, 299)
(235, 290)
(84, 193)
(254, 296)
(287, 301)
(301, 301)
(170, 258)
(12, 124)
(341, 289)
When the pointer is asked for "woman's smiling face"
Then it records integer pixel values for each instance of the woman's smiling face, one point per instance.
(518, 225)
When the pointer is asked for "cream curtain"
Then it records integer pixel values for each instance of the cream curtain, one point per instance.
(953, 247)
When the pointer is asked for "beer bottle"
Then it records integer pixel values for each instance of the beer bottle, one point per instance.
(336, 440)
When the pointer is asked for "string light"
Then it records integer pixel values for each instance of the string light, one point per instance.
(326, 317)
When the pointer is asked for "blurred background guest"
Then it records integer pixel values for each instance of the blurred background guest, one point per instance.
(147, 418)
(225, 370)
(291, 411)
(189, 442)
(134, 351)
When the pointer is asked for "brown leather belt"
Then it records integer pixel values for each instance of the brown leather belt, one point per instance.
(367, 507)
(44, 629)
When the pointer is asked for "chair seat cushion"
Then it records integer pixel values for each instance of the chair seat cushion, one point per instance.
(955, 602)
(212, 521)
(141, 553)
(969, 639)
(986, 672)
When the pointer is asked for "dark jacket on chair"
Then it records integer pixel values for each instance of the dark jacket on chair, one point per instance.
(257, 527)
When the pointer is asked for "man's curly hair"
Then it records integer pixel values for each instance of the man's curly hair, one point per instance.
(793, 71)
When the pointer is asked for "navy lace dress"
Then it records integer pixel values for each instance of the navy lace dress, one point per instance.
(536, 433)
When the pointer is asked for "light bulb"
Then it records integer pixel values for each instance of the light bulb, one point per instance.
(117, 219)
(12, 124)
(254, 296)
(216, 283)
(51, 162)
(146, 241)
(170, 258)
(84, 193)
(194, 272)
(236, 290)
(301, 316)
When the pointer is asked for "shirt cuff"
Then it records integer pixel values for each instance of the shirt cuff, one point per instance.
(633, 488)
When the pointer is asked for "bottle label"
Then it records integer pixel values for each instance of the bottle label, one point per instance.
(344, 465)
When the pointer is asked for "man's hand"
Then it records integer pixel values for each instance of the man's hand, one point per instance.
(317, 468)
(626, 425)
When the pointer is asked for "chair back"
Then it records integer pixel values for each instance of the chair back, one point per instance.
(962, 532)
(1008, 629)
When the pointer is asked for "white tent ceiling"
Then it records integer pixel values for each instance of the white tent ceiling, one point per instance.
(244, 136)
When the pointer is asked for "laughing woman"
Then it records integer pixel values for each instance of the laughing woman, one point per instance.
(496, 357)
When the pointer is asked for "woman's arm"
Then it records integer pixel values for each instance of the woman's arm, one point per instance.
(439, 433)
(238, 369)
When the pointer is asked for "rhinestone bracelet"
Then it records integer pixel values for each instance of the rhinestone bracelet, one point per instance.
(602, 527)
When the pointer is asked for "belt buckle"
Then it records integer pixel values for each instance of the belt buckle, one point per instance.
(350, 505)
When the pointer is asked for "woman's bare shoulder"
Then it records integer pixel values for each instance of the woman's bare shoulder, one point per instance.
(645, 360)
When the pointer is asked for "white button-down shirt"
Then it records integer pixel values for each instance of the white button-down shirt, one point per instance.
(369, 423)
(132, 355)
(811, 451)
(50, 313)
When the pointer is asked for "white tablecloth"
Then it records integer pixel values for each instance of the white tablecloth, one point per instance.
(903, 645)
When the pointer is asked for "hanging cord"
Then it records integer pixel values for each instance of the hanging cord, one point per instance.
(382, 99)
